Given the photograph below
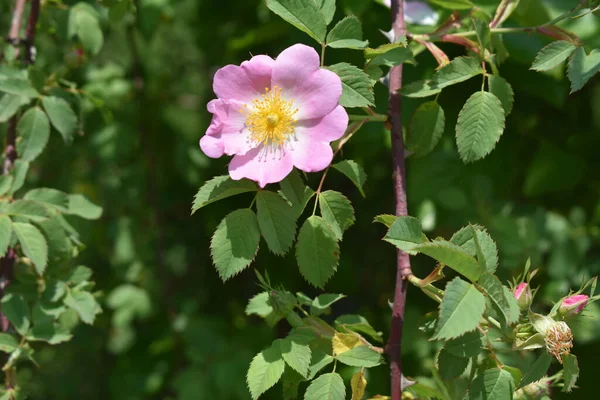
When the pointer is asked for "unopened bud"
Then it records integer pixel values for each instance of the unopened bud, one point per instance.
(573, 305)
(523, 295)
(535, 390)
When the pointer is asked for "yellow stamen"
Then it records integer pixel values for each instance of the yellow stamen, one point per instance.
(271, 119)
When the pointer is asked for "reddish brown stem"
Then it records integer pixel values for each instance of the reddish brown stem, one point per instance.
(34, 14)
(394, 345)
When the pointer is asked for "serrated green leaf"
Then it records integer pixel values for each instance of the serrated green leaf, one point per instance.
(479, 127)
(461, 309)
(451, 366)
(500, 88)
(354, 172)
(361, 356)
(290, 382)
(18, 87)
(356, 86)
(326, 387)
(48, 196)
(394, 55)
(570, 371)
(347, 33)
(33, 130)
(8, 343)
(261, 305)
(19, 172)
(5, 234)
(498, 296)
(488, 251)
(80, 206)
(220, 188)
(16, 309)
(337, 211)
(265, 370)
(425, 129)
(453, 4)
(293, 187)
(317, 251)
(406, 234)
(552, 55)
(484, 35)
(492, 384)
(327, 8)
(27, 209)
(385, 219)
(10, 104)
(296, 354)
(384, 48)
(33, 245)
(582, 67)
(84, 304)
(453, 256)
(85, 25)
(276, 221)
(419, 89)
(303, 14)
(537, 370)
(321, 303)
(59, 244)
(235, 242)
(359, 324)
(320, 359)
(467, 346)
(5, 183)
(459, 70)
(61, 116)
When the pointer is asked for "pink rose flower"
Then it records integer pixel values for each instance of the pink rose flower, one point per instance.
(573, 305)
(523, 295)
(274, 115)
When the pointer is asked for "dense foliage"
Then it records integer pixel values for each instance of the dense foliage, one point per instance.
(124, 301)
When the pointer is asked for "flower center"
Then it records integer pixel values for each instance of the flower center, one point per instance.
(271, 119)
(559, 340)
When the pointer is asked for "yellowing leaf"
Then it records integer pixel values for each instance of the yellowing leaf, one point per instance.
(342, 342)
(358, 384)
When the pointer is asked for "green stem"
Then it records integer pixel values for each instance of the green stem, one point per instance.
(368, 118)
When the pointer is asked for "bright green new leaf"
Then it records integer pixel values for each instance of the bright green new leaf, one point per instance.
(419, 89)
(582, 67)
(361, 356)
(265, 370)
(33, 244)
(16, 309)
(8, 343)
(453, 4)
(453, 256)
(451, 366)
(467, 346)
(321, 303)
(356, 86)
(347, 34)
(220, 188)
(502, 303)
(337, 211)
(235, 242)
(261, 305)
(84, 304)
(303, 14)
(537, 370)
(327, 8)
(385, 219)
(18, 87)
(406, 234)
(359, 324)
(552, 55)
(33, 130)
(61, 116)
(492, 384)
(79, 205)
(479, 127)
(276, 221)
(500, 88)
(317, 251)
(570, 371)
(296, 354)
(460, 311)
(10, 104)
(459, 70)
(5, 234)
(354, 172)
(426, 128)
(49, 197)
(326, 387)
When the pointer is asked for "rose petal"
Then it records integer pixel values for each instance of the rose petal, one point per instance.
(316, 96)
(294, 65)
(260, 167)
(246, 82)
(311, 155)
(212, 146)
(229, 127)
(328, 128)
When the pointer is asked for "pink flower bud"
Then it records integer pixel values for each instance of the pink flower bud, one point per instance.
(573, 305)
(523, 295)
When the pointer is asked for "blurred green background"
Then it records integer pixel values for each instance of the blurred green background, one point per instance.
(170, 328)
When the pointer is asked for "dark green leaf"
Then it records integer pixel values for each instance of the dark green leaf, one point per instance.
(326, 387)
(337, 211)
(18, 87)
(467, 346)
(33, 245)
(354, 172)
(497, 295)
(33, 130)
(327, 8)
(453, 256)
(570, 371)
(8, 343)
(419, 89)
(451, 366)
(537, 370)
(61, 116)
(303, 14)
(426, 128)
(459, 70)
(393, 56)
(406, 234)
(220, 188)
(10, 104)
(582, 67)
(15, 308)
(347, 34)
(356, 86)
(453, 4)
(492, 384)
(5, 234)
(552, 55)
(276, 221)
(265, 370)
(317, 251)
(84, 304)
(500, 88)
